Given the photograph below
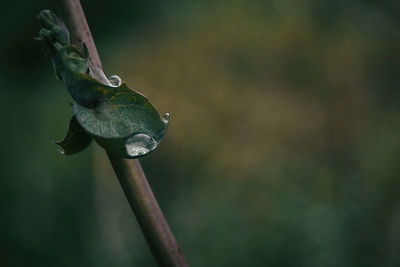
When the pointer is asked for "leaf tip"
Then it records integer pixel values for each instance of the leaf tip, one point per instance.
(59, 147)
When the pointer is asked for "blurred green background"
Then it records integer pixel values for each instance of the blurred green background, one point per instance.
(282, 150)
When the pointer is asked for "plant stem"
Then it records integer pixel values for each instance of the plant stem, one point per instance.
(129, 172)
(148, 213)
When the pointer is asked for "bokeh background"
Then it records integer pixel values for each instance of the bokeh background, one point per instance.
(283, 147)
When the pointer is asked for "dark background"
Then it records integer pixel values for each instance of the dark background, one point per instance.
(283, 147)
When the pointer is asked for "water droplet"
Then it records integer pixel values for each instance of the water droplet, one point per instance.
(59, 147)
(115, 81)
(140, 144)
(166, 118)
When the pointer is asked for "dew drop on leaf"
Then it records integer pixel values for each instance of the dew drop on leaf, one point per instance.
(166, 118)
(115, 81)
(139, 144)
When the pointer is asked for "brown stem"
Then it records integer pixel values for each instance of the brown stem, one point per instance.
(150, 217)
(129, 172)
(75, 19)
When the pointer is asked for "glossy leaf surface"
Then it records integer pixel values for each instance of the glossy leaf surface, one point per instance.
(75, 140)
(121, 120)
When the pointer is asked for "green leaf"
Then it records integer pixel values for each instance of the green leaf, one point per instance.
(75, 140)
(125, 123)
(121, 120)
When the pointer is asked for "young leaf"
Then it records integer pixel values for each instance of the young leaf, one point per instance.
(75, 140)
(121, 120)
(124, 123)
